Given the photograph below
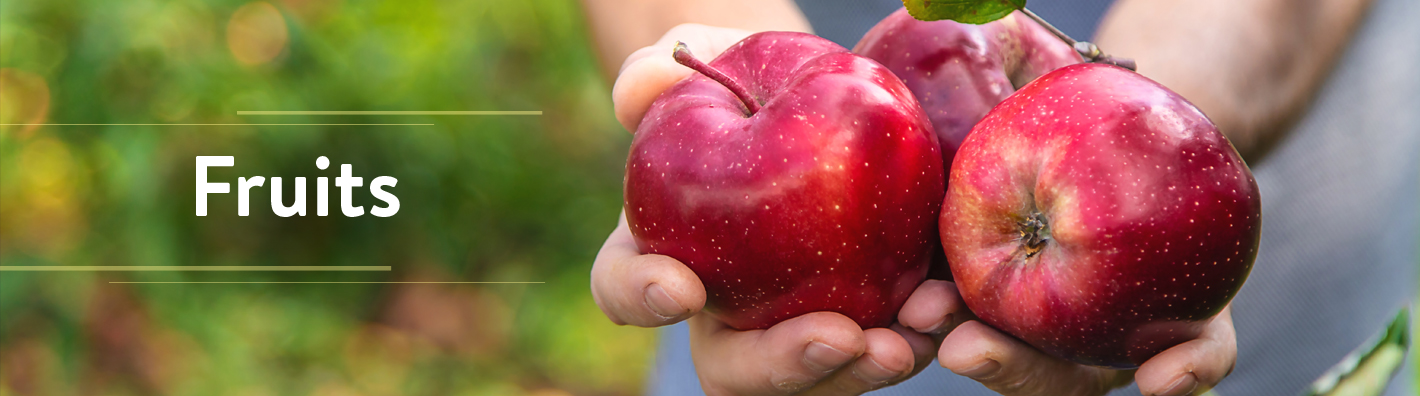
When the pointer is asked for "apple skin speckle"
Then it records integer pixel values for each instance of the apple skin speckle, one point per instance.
(963, 70)
(1151, 218)
(778, 212)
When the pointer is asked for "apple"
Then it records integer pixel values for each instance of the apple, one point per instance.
(1099, 217)
(792, 176)
(960, 71)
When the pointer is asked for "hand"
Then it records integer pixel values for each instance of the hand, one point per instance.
(817, 353)
(650, 70)
(821, 353)
(1014, 368)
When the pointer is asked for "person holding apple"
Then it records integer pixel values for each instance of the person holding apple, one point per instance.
(1253, 72)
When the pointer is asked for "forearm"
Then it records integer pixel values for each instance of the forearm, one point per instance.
(1251, 66)
(620, 27)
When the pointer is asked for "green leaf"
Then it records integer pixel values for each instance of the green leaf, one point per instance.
(964, 11)
(1367, 370)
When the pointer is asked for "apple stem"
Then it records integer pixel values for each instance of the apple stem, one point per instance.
(1087, 50)
(682, 56)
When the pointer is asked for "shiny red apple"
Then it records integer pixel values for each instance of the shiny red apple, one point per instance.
(960, 71)
(1099, 217)
(791, 176)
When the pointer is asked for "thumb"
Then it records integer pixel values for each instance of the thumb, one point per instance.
(651, 70)
(1012, 368)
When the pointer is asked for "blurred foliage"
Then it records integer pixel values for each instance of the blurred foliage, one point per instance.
(1370, 367)
(482, 199)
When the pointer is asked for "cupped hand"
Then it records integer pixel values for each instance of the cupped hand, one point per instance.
(1014, 368)
(821, 353)
(632, 288)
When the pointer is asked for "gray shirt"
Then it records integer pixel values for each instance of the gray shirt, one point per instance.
(1341, 217)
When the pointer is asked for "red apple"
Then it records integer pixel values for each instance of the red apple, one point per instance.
(1099, 217)
(960, 71)
(793, 177)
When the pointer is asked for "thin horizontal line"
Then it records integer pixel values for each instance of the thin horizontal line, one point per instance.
(186, 268)
(192, 124)
(266, 283)
(388, 112)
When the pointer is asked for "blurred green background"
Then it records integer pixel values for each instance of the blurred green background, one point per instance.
(491, 198)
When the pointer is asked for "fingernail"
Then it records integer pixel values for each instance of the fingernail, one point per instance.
(1185, 384)
(824, 358)
(982, 371)
(871, 372)
(661, 302)
(939, 326)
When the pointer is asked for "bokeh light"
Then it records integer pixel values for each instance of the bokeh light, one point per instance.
(256, 34)
(24, 99)
(48, 209)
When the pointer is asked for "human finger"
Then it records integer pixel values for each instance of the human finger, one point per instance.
(650, 70)
(1013, 368)
(646, 290)
(786, 358)
(935, 308)
(1193, 366)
